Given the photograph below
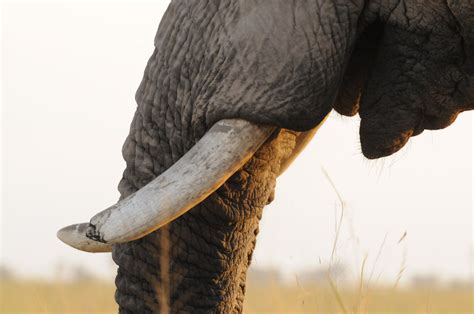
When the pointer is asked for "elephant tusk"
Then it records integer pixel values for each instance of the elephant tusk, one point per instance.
(75, 236)
(225, 148)
(302, 140)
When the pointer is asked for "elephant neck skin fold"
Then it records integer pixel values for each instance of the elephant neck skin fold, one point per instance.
(207, 251)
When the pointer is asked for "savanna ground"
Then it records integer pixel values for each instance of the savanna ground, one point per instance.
(93, 296)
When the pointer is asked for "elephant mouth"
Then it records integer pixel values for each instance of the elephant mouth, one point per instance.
(382, 135)
(225, 148)
(378, 148)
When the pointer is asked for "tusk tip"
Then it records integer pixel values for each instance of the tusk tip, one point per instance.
(75, 236)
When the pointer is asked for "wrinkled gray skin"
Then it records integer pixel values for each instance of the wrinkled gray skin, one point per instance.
(404, 66)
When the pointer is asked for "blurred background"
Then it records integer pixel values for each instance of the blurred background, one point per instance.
(69, 74)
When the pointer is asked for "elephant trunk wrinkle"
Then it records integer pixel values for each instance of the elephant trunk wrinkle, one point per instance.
(211, 247)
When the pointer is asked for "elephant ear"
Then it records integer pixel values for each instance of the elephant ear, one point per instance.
(418, 74)
(284, 61)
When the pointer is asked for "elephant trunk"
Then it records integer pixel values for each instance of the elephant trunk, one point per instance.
(199, 262)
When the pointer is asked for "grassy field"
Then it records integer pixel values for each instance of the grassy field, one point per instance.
(43, 297)
(97, 297)
(381, 300)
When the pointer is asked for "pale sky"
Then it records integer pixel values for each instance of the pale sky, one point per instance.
(69, 75)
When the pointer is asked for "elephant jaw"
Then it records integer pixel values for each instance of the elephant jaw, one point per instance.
(225, 148)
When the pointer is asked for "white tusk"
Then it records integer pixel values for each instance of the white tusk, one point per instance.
(225, 148)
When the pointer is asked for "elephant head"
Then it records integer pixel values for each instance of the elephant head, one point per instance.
(232, 92)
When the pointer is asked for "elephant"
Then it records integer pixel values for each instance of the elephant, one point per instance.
(232, 92)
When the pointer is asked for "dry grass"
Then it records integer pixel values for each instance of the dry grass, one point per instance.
(44, 297)
(277, 299)
(97, 297)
